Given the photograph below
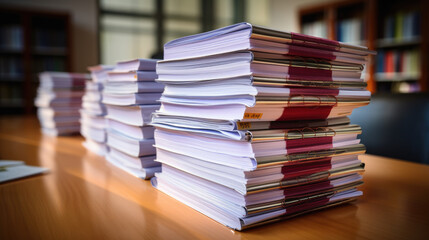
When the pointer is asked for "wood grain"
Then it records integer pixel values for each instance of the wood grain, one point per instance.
(83, 197)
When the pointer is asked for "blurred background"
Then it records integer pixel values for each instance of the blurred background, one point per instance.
(70, 35)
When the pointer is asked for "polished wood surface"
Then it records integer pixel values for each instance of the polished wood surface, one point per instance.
(84, 197)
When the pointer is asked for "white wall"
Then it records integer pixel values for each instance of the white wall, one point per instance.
(83, 23)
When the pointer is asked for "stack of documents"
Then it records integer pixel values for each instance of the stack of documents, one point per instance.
(253, 125)
(93, 123)
(131, 96)
(59, 98)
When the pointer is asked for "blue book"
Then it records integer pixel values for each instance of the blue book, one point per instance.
(416, 21)
(389, 27)
(339, 31)
(380, 62)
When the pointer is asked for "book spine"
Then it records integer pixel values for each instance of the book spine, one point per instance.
(380, 62)
(399, 21)
(388, 59)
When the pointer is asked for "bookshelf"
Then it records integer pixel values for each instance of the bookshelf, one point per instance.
(394, 28)
(315, 23)
(30, 42)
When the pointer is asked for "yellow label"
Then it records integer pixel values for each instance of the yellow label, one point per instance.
(252, 116)
(135, 76)
(243, 125)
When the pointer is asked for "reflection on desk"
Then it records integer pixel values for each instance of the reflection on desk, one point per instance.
(84, 197)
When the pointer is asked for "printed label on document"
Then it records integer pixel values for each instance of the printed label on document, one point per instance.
(252, 116)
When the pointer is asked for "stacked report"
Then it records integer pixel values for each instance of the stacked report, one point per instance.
(131, 96)
(59, 98)
(253, 124)
(93, 123)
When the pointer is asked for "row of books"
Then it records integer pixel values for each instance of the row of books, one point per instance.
(402, 26)
(316, 28)
(404, 63)
(10, 93)
(50, 38)
(11, 37)
(11, 67)
(245, 124)
(57, 64)
(351, 30)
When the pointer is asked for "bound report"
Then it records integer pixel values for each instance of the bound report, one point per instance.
(169, 120)
(137, 115)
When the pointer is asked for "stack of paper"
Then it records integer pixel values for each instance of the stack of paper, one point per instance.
(253, 124)
(59, 98)
(93, 123)
(131, 96)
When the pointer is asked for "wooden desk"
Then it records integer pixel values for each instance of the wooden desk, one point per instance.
(83, 197)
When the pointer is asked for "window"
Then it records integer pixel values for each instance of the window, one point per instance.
(139, 28)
